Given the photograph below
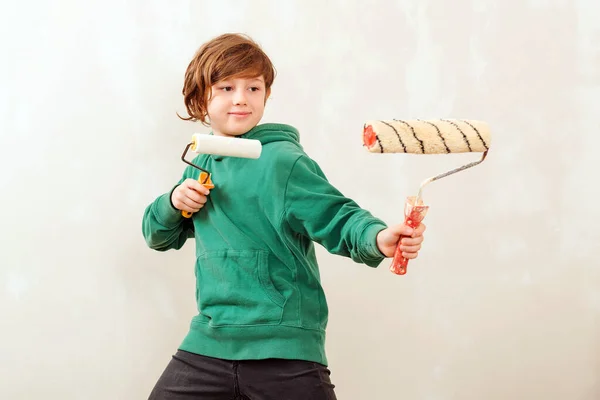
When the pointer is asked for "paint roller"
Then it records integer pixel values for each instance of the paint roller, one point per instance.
(439, 136)
(221, 146)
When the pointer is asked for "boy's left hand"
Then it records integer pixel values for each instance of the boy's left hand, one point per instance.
(387, 240)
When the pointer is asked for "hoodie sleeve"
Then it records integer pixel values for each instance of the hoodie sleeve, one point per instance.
(163, 225)
(316, 209)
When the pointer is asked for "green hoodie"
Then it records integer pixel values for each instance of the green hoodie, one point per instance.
(258, 287)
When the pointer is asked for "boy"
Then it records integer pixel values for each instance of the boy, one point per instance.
(260, 331)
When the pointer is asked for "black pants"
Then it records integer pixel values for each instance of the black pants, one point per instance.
(191, 376)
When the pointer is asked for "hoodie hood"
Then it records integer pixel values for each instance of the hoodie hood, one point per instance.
(270, 132)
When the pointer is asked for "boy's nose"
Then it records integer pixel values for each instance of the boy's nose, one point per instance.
(239, 97)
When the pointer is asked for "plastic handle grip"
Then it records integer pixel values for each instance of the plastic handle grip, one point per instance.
(204, 179)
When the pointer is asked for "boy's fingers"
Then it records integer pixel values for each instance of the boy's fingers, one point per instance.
(188, 202)
(420, 229)
(411, 249)
(403, 230)
(198, 187)
(190, 209)
(195, 196)
(183, 206)
(409, 241)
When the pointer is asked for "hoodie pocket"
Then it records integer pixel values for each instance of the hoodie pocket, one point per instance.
(235, 288)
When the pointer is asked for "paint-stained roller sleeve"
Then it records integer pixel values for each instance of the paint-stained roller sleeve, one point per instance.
(436, 136)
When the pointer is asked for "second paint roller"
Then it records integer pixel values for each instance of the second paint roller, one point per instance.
(220, 146)
(439, 136)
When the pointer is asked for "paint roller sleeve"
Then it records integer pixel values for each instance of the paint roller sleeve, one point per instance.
(226, 146)
(438, 136)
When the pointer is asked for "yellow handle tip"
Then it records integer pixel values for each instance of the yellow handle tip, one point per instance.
(205, 180)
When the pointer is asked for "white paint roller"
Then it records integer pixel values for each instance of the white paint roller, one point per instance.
(226, 146)
(221, 146)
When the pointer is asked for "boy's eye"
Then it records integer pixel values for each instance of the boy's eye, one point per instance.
(254, 88)
(226, 88)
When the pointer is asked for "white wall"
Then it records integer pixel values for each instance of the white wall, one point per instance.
(504, 300)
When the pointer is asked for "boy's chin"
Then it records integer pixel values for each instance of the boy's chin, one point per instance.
(234, 133)
(238, 130)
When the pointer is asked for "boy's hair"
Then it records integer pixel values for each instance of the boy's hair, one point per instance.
(224, 57)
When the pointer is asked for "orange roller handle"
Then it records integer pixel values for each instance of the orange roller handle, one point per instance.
(205, 180)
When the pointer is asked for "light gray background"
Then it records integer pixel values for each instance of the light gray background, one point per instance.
(504, 300)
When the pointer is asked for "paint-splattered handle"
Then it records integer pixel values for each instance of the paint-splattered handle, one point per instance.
(413, 217)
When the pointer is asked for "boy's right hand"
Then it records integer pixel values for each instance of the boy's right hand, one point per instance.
(189, 196)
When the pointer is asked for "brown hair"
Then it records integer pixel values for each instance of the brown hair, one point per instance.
(224, 57)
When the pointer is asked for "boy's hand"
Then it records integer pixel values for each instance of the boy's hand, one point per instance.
(387, 240)
(189, 196)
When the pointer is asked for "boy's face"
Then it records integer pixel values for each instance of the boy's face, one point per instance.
(236, 105)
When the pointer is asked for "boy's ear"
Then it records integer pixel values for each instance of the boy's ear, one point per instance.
(267, 94)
